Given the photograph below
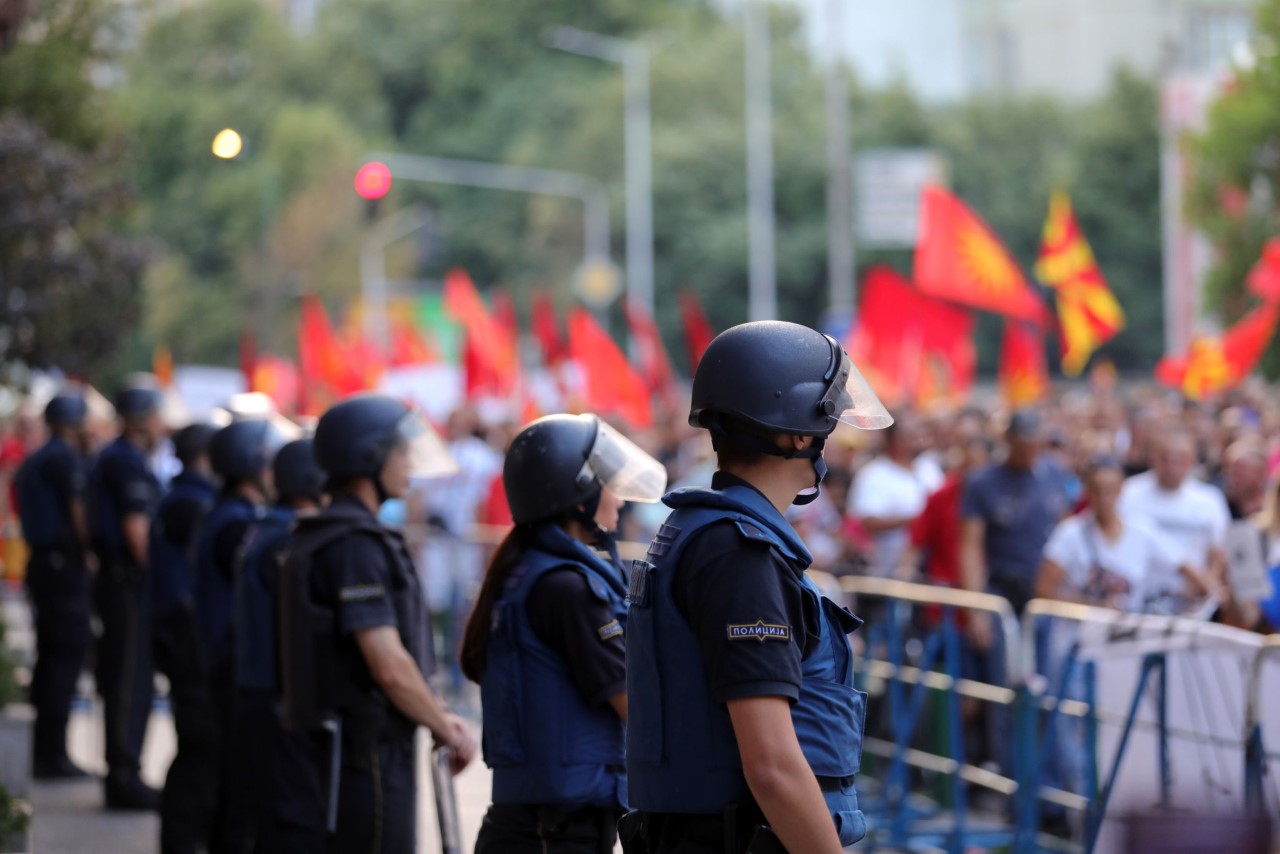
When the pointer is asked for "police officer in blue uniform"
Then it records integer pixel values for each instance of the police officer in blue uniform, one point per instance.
(50, 486)
(545, 640)
(745, 730)
(240, 454)
(122, 498)
(355, 634)
(187, 787)
(276, 796)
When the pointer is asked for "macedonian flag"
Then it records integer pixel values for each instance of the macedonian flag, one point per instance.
(960, 259)
(1088, 314)
(1214, 364)
(1022, 375)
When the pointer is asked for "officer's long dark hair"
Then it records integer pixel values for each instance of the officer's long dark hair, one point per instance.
(474, 654)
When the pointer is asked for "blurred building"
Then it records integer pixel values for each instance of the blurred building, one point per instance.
(948, 49)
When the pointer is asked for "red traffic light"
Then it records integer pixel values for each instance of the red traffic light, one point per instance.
(373, 180)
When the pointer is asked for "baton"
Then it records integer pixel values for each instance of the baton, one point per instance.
(333, 725)
(446, 801)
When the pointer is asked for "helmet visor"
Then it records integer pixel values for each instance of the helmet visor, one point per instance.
(428, 455)
(622, 468)
(849, 398)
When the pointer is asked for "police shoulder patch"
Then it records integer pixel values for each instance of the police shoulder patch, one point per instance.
(362, 593)
(611, 629)
(753, 534)
(759, 631)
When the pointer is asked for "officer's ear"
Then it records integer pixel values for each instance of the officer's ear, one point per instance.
(798, 443)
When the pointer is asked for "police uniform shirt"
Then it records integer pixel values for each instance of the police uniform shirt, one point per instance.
(60, 469)
(748, 610)
(126, 478)
(581, 629)
(359, 579)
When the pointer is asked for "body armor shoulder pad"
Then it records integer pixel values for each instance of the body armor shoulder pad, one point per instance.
(753, 534)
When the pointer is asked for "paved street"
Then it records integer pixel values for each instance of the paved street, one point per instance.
(69, 818)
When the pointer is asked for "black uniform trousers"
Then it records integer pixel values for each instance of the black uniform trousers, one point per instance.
(377, 796)
(57, 582)
(124, 666)
(275, 797)
(189, 799)
(531, 829)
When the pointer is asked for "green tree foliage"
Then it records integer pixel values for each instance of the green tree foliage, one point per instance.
(1237, 175)
(458, 79)
(68, 276)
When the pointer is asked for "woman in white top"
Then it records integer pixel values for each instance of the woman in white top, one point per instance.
(1094, 558)
(1098, 557)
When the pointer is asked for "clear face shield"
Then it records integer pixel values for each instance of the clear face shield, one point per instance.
(849, 398)
(623, 469)
(428, 455)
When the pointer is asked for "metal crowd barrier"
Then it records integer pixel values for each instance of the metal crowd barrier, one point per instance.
(1191, 695)
(903, 663)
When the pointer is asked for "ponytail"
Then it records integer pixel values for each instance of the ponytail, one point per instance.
(474, 654)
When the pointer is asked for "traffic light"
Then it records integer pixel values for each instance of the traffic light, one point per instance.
(373, 180)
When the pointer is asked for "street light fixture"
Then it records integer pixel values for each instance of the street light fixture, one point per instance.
(227, 144)
(633, 56)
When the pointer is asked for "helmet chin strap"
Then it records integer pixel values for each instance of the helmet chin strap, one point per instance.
(764, 446)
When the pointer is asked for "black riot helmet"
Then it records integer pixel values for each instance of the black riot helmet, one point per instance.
(192, 441)
(561, 462)
(354, 437)
(138, 401)
(296, 472)
(770, 377)
(243, 450)
(66, 410)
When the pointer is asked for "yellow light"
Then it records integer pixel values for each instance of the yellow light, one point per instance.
(227, 144)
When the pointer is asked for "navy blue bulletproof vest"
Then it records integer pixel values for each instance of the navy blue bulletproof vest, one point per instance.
(214, 583)
(682, 756)
(545, 744)
(256, 602)
(45, 514)
(173, 535)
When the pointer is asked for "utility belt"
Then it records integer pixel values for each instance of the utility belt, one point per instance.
(737, 830)
(554, 822)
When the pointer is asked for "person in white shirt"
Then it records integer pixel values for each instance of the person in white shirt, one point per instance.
(1191, 517)
(1100, 557)
(890, 491)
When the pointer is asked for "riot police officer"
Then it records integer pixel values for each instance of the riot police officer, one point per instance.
(50, 487)
(187, 789)
(122, 496)
(355, 633)
(240, 454)
(745, 729)
(545, 639)
(275, 789)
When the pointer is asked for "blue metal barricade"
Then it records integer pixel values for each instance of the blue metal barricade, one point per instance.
(912, 654)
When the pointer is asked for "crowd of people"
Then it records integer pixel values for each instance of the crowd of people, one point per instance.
(1135, 500)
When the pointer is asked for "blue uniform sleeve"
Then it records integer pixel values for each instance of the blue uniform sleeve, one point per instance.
(747, 609)
(581, 629)
(364, 586)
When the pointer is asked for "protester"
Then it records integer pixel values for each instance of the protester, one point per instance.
(1191, 515)
(890, 492)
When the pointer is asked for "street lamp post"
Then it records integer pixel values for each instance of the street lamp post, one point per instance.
(762, 297)
(633, 56)
(373, 271)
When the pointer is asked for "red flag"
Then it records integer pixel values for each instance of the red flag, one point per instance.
(1023, 379)
(504, 312)
(547, 330)
(911, 346)
(408, 346)
(1264, 278)
(959, 258)
(277, 378)
(655, 367)
(697, 330)
(1212, 365)
(612, 386)
(490, 356)
(248, 355)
